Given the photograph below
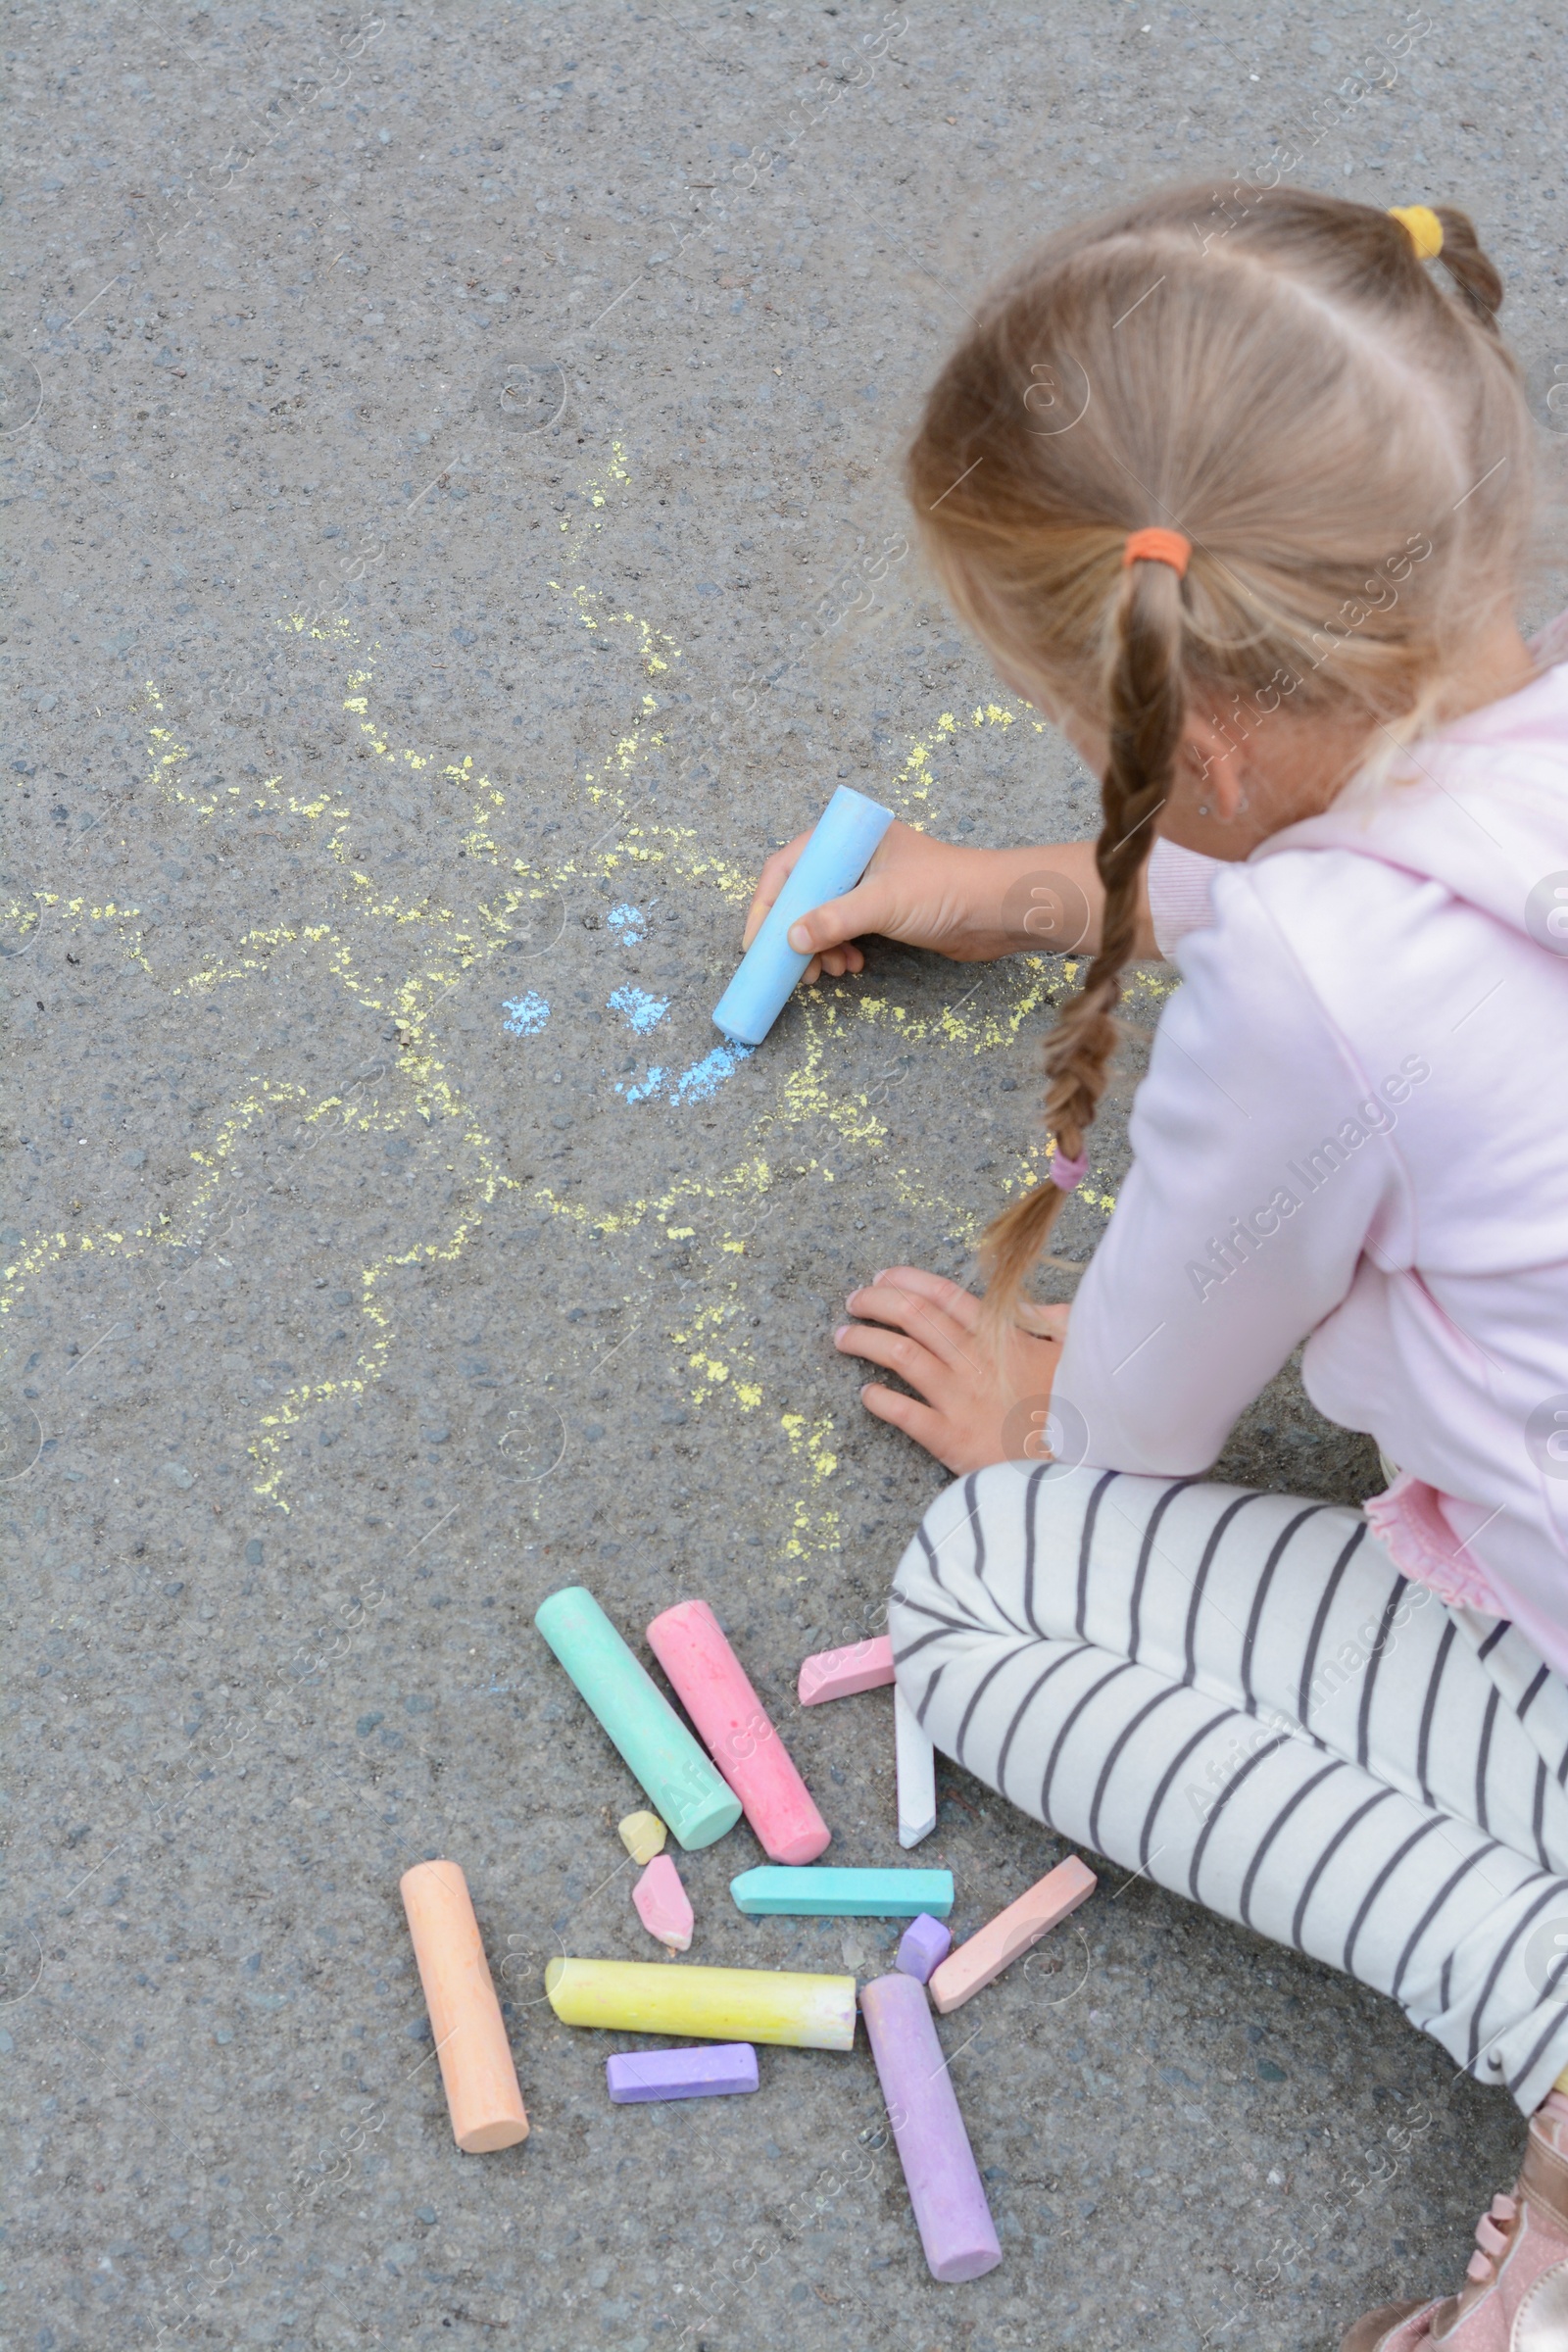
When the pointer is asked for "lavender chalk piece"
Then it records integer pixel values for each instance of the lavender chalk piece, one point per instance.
(718, 2071)
(924, 1944)
(840, 849)
(950, 2205)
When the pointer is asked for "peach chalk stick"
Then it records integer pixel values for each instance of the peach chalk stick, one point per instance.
(841, 1673)
(712, 1686)
(471, 2039)
(1009, 1935)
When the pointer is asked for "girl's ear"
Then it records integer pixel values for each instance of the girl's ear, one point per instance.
(1207, 769)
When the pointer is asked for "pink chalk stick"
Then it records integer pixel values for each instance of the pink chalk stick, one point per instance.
(840, 1673)
(712, 1686)
(1009, 1935)
(662, 1904)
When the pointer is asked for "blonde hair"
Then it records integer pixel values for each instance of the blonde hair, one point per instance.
(1286, 384)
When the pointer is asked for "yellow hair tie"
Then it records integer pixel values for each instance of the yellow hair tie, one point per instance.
(1422, 225)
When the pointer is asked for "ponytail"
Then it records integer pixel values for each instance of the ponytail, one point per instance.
(1475, 277)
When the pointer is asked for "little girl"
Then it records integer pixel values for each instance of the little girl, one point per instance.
(1243, 500)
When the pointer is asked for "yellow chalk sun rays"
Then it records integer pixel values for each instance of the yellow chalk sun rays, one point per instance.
(400, 958)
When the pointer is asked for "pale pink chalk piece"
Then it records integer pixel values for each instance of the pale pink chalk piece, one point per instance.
(662, 1904)
(841, 1673)
(1010, 1935)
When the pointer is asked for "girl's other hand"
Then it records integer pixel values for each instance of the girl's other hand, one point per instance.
(968, 1409)
(969, 904)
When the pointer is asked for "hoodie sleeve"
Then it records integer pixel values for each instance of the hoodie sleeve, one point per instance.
(1264, 1166)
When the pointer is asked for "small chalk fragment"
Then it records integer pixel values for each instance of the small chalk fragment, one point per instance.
(1012, 1932)
(715, 2004)
(663, 1905)
(843, 1893)
(840, 1673)
(915, 1769)
(716, 2072)
(924, 1944)
(643, 1835)
(944, 2188)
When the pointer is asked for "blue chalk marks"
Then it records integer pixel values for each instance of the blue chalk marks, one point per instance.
(641, 1010)
(703, 1079)
(526, 1015)
(629, 924)
(699, 1084)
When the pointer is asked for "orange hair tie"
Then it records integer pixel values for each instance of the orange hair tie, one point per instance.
(1158, 546)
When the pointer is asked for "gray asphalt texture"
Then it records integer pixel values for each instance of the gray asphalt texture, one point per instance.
(455, 531)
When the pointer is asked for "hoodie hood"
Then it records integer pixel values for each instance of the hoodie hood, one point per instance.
(1480, 807)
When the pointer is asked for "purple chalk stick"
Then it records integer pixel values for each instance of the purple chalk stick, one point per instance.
(950, 2211)
(713, 2072)
(924, 1944)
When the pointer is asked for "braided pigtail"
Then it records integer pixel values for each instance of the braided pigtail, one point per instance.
(1146, 700)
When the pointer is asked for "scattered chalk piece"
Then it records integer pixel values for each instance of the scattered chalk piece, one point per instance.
(718, 2071)
(944, 2187)
(841, 1673)
(712, 2004)
(1011, 1933)
(842, 1893)
(470, 2038)
(662, 1904)
(643, 1835)
(916, 1770)
(713, 1688)
(924, 1944)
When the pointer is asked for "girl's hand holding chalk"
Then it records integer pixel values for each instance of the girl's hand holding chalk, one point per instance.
(969, 1409)
(971, 906)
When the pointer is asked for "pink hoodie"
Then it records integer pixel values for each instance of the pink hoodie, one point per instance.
(1354, 1132)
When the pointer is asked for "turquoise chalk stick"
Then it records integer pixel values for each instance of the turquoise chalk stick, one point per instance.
(654, 1744)
(844, 1894)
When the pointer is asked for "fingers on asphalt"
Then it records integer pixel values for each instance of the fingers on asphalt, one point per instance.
(950, 1297)
(916, 1420)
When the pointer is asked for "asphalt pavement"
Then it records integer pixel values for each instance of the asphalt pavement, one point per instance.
(455, 531)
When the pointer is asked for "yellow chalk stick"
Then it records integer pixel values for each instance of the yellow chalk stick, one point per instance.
(716, 2004)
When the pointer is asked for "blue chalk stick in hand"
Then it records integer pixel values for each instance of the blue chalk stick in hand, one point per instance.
(832, 861)
(717, 2070)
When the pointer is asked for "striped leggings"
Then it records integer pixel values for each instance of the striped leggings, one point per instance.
(1238, 1694)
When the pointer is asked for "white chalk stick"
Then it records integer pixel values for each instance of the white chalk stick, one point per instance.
(916, 1761)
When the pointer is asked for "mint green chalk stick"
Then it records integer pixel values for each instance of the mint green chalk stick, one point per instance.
(844, 1894)
(656, 1746)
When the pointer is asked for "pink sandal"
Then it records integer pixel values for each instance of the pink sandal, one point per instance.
(1515, 2293)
